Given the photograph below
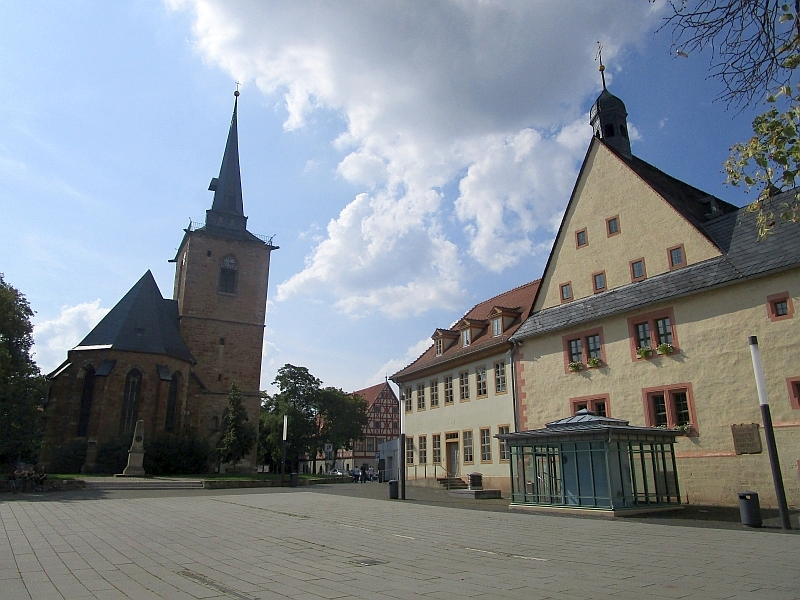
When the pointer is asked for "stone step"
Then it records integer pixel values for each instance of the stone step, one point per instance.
(453, 483)
(143, 484)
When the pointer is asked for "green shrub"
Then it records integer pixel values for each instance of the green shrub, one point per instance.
(173, 455)
(68, 458)
(112, 457)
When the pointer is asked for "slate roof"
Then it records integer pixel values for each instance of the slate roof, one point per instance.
(744, 257)
(142, 321)
(227, 187)
(520, 298)
(694, 204)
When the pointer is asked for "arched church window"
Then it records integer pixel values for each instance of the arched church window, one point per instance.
(609, 130)
(227, 275)
(87, 396)
(130, 403)
(172, 401)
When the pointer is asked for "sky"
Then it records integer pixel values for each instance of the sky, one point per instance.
(411, 158)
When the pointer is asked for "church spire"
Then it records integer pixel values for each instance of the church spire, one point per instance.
(227, 210)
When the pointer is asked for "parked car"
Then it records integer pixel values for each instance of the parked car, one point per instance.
(336, 472)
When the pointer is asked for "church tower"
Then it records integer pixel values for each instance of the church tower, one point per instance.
(608, 118)
(221, 277)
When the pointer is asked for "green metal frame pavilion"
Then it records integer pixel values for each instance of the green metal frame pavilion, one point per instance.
(593, 462)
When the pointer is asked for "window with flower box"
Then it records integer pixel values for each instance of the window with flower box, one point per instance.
(671, 406)
(583, 349)
(652, 334)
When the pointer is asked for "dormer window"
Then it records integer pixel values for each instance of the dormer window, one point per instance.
(497, 326)
(438, 347)
(465, 338)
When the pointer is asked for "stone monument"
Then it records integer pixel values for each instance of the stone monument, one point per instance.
(136, 453)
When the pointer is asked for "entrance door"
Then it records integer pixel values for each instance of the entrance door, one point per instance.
(452, 458)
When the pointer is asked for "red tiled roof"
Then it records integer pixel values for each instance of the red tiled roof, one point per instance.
(520, 298)
(371, 394)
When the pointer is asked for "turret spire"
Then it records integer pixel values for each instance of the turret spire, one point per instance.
(608, 116)
(227, 209)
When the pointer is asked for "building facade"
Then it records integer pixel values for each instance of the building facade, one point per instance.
(646, 304)
(171, 362)
(460, 393)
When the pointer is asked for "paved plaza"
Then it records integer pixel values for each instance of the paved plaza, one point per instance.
(338, 542)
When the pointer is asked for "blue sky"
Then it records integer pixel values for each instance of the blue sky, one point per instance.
(412, 159)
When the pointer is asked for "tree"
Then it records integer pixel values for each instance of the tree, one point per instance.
(298, 399)
(238, 436)
(316, 415)
(343, 418)
(755, 51)
(21, 385)
(753, 43)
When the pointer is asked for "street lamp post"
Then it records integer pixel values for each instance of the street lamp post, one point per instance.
(283, 460)
(402, 457)
(769, 433)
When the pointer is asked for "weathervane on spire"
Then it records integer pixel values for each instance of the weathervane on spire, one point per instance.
(602, 67)
(236, 93)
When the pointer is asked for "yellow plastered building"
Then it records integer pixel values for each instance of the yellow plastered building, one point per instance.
(646, 304)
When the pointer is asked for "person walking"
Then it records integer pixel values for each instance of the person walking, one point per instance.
(363, 474)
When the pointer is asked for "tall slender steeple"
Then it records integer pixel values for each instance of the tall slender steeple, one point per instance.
(608, 117)
(227, 210)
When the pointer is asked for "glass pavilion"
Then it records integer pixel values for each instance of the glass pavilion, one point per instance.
(593, 462)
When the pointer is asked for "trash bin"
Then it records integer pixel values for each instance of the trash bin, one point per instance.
(475, 481)
(749, 509)
(394, 489)
(292, 479)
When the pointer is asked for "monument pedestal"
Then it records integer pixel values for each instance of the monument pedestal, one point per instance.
(135, 466)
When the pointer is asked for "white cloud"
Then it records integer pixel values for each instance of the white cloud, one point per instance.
(54, 337)
(483, 94)
(394, 365)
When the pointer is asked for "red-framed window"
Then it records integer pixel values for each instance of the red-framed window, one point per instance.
(581, 346)
(612, 226)
(638, 269)
(780, 307)
(676, 256)
(599, 404)
(599, 282)
(652, 330)
(565, 291)
(793, 383)
(670, 406)
(581, 238)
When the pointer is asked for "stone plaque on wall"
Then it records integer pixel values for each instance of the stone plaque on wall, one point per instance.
(746, 438)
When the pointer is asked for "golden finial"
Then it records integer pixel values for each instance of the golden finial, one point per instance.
(602, 67)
